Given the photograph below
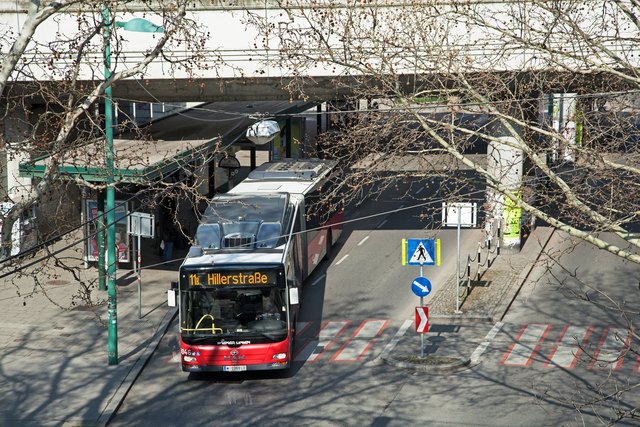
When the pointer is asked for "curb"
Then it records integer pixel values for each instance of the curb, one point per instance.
(463, 318)
(121, 392)
(456, 365)
(523, 276)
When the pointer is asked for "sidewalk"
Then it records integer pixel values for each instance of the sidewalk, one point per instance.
(54, 367)
(453, 337)
(489, 298)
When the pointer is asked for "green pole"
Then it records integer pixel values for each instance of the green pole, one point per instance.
(102, 279)
(112, 347)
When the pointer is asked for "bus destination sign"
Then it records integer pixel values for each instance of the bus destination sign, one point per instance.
(232, 278)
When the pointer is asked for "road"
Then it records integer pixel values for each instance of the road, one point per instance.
(360, 304)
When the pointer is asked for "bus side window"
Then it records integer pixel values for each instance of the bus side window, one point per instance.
(291, 271)
(297, 246)
(312, 210)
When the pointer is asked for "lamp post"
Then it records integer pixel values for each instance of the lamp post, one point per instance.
(139, 25)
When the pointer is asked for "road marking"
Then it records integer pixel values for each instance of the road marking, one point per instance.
(528, 341)
(341, 259)
(636, 367)
(611, 350)
(475, 356)
(318, 280)
(301, 327)
(382, 223)
(328, 333)
(363, 240)
(567, 351)
(420, 190)
(361, 341)
(394, 341)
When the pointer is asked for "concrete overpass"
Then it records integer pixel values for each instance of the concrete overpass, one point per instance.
(238, 62)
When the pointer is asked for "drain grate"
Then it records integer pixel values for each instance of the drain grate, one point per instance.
(58, 282)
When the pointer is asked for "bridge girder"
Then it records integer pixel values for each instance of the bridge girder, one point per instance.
(315, 89)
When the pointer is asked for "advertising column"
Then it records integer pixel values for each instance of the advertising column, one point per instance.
(122, 233)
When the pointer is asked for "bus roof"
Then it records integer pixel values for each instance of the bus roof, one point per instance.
(294, 176)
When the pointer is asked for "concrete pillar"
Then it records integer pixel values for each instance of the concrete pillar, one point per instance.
(506, 164)
(16, 131)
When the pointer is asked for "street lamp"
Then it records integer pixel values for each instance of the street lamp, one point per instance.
(263, 131)
(139, 25)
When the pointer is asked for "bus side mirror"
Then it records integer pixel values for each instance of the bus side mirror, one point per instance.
(171, 294)
(293, 296)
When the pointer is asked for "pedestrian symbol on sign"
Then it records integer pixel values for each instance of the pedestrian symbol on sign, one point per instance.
(421, 255)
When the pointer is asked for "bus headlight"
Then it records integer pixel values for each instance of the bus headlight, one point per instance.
(280, 356)
(189, 359)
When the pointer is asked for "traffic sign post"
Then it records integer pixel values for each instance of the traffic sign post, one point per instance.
(421, 252)
(421, 286)
(141, 225)
(459, 215)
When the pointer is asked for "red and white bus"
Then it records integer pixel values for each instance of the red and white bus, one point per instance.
(238, 291)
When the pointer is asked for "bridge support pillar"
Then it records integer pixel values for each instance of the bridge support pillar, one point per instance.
(505, 163)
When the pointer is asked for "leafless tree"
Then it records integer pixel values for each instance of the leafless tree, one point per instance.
(408, 65)
(429, 82)
(51, 87)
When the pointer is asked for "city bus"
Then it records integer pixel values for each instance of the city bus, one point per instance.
(239, 286)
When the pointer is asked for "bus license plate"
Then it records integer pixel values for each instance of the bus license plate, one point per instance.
(238, 368)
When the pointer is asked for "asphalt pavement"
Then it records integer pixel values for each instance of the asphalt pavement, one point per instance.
(54, 367)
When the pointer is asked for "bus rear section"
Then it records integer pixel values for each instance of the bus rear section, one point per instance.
(234, 319)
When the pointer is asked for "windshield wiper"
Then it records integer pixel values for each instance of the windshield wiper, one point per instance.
(192, 339)
(273, 336)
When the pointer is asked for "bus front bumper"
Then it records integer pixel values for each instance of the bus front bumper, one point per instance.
(236, 368)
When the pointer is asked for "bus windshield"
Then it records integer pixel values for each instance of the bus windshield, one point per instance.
(256, 313)
(232, 208)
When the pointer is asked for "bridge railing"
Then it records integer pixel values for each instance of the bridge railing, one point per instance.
(234, 47)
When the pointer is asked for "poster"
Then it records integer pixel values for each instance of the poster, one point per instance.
(16, 230)
(512, 216)
(122, 232)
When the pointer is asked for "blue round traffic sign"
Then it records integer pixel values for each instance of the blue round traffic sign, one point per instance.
(421, 286)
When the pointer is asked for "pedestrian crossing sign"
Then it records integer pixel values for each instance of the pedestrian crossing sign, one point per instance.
(420, 252)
